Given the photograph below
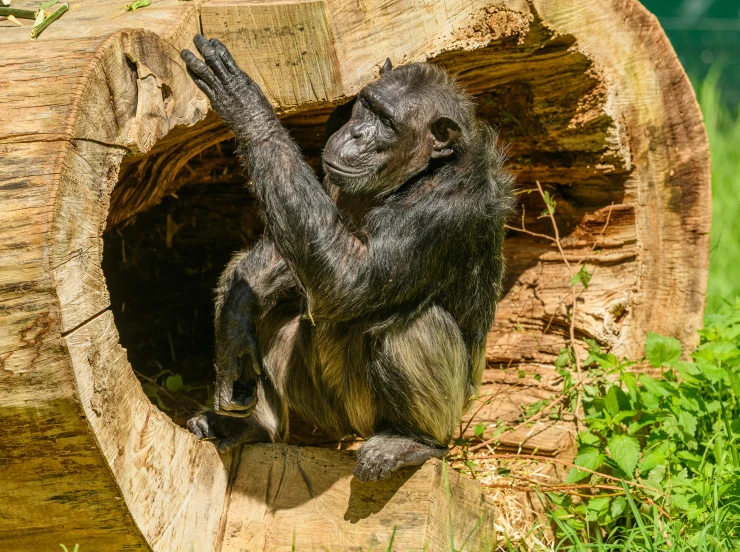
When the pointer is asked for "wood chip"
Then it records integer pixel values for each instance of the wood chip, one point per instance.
(40, 16)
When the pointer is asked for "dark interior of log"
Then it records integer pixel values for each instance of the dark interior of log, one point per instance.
(169, 237)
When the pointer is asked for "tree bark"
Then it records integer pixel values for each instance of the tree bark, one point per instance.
(99, 119)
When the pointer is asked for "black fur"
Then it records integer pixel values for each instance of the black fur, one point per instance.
(365, 306)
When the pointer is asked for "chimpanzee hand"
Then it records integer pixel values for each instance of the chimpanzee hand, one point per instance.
(226, 432)
(233, 95)
(234, 397)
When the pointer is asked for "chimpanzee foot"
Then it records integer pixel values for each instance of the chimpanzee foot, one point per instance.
(385, 453)
(227, 432)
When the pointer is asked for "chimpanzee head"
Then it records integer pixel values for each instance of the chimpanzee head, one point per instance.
(402, 121)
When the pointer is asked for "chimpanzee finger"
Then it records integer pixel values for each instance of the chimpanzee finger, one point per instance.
(204, 427)
(225, 56)
(199, 71)
(195, 428)
(207, 90)
(213, 59)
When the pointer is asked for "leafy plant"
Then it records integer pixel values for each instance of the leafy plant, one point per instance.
(133, 6)
(670, 440)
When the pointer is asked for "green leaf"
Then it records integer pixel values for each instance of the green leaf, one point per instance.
(616, 400)
(661, 350)
(478, 430)
(655, 477)
(47, 5)
(681, 501)
(471, 465)
(564, 359)
(575, 475)
(735, 382)
(691, 460)
(550, 202)
(589, 458)
(655, 387)
(711, 370)
(686, 369)
(174, 383)
(690, 399)
(597, 507)
(630, 382)
(535, 407)
(598, 504)
(720, 351)
(654, 456)
(133, 6)
(150, 390)
(687, 422)
(583, 276)
(623, 415)
(618, 506)
(588, 438)
(625, 451)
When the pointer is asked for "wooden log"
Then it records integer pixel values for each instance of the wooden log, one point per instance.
(291, 498)
(100, 122)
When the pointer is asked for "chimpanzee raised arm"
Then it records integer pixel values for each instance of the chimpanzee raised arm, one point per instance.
(371, 312)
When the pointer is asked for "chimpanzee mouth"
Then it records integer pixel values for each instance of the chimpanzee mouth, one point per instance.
(341, 171)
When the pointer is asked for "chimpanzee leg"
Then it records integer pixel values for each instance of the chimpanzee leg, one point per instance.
(248, 287)
(420, 377)
(246, 406)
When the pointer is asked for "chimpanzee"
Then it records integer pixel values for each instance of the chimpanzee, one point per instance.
(364, 307)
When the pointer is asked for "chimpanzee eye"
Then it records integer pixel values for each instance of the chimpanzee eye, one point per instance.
(387, 122)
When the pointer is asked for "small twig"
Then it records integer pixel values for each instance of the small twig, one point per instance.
(167, 393)
(38, 29)
(529, 420)
(522, 458)
(585, 256)
(488, 398)
(525, 231)
(15, 12)
(572, 329)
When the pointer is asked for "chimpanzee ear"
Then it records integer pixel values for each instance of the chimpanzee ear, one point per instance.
(387, 66)
(445, 133)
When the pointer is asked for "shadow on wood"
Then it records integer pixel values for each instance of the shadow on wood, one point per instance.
(284, 495)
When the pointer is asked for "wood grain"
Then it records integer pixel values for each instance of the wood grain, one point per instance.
(285, 496)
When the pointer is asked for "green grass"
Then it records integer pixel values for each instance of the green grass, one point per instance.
(723, 130)
(659, 455)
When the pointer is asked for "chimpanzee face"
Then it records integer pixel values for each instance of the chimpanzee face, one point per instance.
(392, 135)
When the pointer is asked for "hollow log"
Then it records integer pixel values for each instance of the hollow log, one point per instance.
(101, 125)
